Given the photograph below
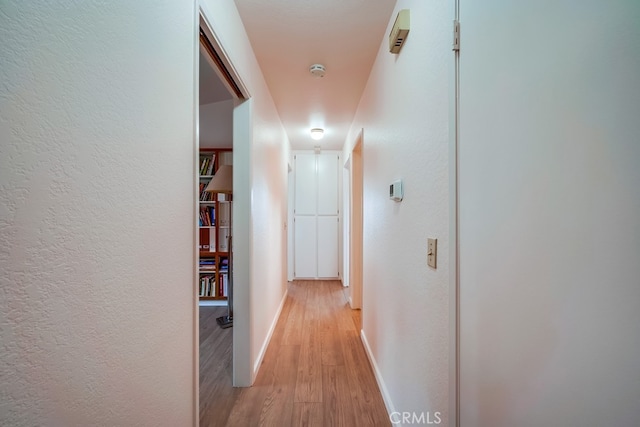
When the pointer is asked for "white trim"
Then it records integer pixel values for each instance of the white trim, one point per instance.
(376, 372)
(196, 208)
(206, 26)
(212, 303)
(265, 345)
(243, 274)
(454, 234)
(356, 225)
(290, 220)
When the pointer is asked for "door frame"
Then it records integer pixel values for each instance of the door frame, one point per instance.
(356, 229)
(223, 66)
(346, 223)
(454, 231)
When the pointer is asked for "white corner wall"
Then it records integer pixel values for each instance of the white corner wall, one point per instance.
(550, 213)
(260, 248)
(404, 113)
(97, 306)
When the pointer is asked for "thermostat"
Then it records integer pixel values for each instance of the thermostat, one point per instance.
(395, 191)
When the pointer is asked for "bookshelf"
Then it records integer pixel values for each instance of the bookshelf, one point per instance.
(213, 225)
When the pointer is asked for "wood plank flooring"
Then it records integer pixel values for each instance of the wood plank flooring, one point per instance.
(315, 371)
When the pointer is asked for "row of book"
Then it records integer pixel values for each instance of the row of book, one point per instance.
(208, 240)
(209, 287)
(207, 264)
(207, 164)
(207, 216)
(205, 196)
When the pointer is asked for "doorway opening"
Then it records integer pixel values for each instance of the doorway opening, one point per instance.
(223, 129)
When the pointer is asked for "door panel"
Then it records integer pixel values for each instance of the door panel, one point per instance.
(305, 184)
(305, 246)
(328, 184)
(327, 246)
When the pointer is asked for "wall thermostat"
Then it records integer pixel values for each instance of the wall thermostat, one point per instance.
(395, 191)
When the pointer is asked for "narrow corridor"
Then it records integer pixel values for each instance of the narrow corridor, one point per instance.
(314, 373)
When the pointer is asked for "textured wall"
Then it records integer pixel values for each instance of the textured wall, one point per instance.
(216, 124)
(550, 213)
(404, 113)
(96, 213)
(260, 270)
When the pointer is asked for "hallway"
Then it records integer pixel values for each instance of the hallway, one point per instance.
(315, 371)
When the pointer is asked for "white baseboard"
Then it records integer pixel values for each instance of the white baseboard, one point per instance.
(383, 388)
(263, 349)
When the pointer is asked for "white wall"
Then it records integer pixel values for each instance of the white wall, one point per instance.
(550, 213)
(260, 275)
(404, 113)
(97, 213)
(216, 124)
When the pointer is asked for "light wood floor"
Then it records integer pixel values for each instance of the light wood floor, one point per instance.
(315, 371)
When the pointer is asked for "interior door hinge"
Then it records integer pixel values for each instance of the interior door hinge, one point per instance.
(456, 35)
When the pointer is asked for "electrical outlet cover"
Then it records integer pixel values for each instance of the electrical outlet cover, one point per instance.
(432, 252)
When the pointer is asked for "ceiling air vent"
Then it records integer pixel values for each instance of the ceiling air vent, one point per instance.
(399, 32)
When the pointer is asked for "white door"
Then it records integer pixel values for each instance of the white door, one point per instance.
(316, 210)
(327, 184)
(328, 246)
(305, 241)
(306, 184)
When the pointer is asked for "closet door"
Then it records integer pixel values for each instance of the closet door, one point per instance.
(327, 246)
(305, 255)
(316, 209)
(328, 173)
(305, 207)
(306, 184)
(328, 184)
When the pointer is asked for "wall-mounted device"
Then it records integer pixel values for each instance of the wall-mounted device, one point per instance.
(395, 191)
(432, 252)
(399, 32)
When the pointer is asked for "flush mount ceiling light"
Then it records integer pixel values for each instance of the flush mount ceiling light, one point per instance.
(317, 70)
(317, 133)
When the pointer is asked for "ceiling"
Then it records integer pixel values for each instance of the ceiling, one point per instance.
(288, 36)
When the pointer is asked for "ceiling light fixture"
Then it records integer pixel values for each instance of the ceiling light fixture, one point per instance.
(317, 133)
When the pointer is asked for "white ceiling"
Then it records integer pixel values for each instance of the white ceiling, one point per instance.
(288, 36)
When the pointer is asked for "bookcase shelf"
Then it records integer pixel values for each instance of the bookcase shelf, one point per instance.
(214, 229)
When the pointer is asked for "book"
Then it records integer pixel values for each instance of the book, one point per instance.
(204, 240)
(223, 240)
(224, 213)
(212, 161)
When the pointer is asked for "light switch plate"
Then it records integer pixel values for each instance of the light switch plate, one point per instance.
(432, 252)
